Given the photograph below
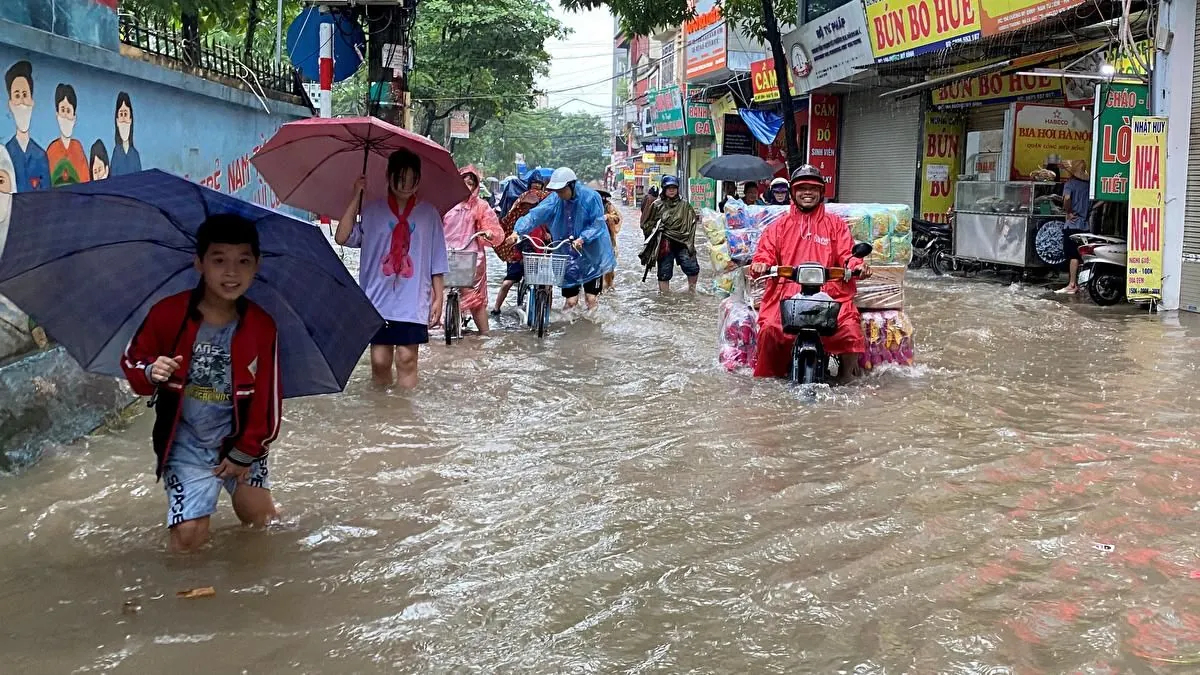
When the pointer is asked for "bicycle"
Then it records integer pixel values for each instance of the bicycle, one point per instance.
(543, 272)
(460, 274)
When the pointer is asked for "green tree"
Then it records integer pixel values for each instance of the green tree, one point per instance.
(482, 55)
(545, 137)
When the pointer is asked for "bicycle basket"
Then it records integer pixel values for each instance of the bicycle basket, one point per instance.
(545, 269)
(461, 273)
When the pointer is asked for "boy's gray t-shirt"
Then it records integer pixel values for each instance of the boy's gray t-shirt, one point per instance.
(207, 415)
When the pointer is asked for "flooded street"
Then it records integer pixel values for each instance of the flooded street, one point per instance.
(610, 500)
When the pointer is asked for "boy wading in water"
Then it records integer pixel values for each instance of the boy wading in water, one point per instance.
(211, 358)
(401, 268)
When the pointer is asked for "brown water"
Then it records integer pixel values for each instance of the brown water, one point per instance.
(611, 501)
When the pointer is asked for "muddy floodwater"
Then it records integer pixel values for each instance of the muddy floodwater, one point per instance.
(610, 501)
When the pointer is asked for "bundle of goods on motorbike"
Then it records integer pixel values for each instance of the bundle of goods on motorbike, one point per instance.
(733, 237)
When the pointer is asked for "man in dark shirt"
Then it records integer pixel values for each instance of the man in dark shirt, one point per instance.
(1077, 204)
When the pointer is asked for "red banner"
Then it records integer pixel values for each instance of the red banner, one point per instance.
(823, 115)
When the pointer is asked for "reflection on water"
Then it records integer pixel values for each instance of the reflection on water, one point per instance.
(611, 501)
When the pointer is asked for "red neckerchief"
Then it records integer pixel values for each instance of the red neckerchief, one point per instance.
(396, 262)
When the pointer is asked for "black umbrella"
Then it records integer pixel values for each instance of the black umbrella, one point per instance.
(738, 168)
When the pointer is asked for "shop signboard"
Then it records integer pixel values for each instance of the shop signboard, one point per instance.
(699, 119)
(824, 112)
(707, 40)
(902, 29)
(1048, 135)
(997, 16)
(995, 88)
(737, 140)
(763, 83)
(702, 193)
(460, 124)
(667, 107)
(657, 145)
(1147, 205)
(1117, 104)
(829, 49)
(942, 158)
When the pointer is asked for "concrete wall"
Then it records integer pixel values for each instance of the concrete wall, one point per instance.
(83, 94)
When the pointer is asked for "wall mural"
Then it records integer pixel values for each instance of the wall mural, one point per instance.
(71, 123)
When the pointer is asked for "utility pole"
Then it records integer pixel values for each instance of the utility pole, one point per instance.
(785, 91)
(388, 60)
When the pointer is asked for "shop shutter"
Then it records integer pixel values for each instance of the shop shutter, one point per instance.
(1189, 279)
(880, 143)
(986, 118)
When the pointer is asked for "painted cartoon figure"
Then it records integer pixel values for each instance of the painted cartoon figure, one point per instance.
(99, 161)
(68, 163)
(8, 186)
(125, 157)
(29, 159)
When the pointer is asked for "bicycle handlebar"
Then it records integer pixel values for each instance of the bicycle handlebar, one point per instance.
(467, 247)
(535, 242)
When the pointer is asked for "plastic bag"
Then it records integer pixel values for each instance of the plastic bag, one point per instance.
(745, 224)
(738, 326)
(889, 339)
(884, 289)
(713, 225)
(719, 257)
(722, 284)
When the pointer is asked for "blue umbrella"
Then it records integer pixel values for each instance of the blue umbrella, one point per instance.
(89, 260)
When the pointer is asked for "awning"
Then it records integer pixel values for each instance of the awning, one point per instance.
(1033, 60)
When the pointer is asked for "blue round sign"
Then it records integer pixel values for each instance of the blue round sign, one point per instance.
(304, 44)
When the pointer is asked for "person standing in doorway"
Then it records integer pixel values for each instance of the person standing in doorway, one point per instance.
(1077, 204)
(402, 266)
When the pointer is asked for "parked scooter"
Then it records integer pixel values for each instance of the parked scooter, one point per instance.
(811, 315)
(1102, 269)
(932, 243)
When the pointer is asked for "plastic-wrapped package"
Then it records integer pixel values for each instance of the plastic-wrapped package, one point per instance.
(745, 224)
(738, 337)
(883, 290)
(713, 225)
(719, 256)
(887, 227)
(723, 284)
(889, 338)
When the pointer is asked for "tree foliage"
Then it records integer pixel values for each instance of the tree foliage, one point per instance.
(482, 55)
(546, 137)
(639, 17)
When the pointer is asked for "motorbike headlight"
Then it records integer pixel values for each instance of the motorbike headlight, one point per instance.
(810, 275)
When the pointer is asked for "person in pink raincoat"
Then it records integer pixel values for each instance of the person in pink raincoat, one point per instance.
(809, 234)
(461, 223)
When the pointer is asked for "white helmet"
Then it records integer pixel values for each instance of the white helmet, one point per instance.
(559, 179)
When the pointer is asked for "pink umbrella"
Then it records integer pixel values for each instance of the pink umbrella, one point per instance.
(311, 164)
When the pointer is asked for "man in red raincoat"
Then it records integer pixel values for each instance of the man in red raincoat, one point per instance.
(808, 234)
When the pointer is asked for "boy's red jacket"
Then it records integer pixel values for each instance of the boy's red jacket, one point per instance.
(170, 330)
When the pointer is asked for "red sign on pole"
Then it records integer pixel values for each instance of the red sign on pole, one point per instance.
(824, 110)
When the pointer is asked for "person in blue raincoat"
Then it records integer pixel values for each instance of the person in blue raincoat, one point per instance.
(574, 213)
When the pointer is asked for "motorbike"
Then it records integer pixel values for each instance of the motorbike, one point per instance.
(812, 315)
(1102, 270)
(932, 244)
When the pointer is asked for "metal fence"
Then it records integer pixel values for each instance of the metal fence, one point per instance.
(165, 39)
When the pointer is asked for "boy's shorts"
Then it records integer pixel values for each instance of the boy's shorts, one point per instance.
(675, 251)
(515, 271)
(193, 490)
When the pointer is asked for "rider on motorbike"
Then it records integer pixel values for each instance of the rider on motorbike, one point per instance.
(808, 234)
(574, 213)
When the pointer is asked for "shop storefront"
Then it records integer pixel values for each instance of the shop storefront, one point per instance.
(878, 164)
(1189, 277)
